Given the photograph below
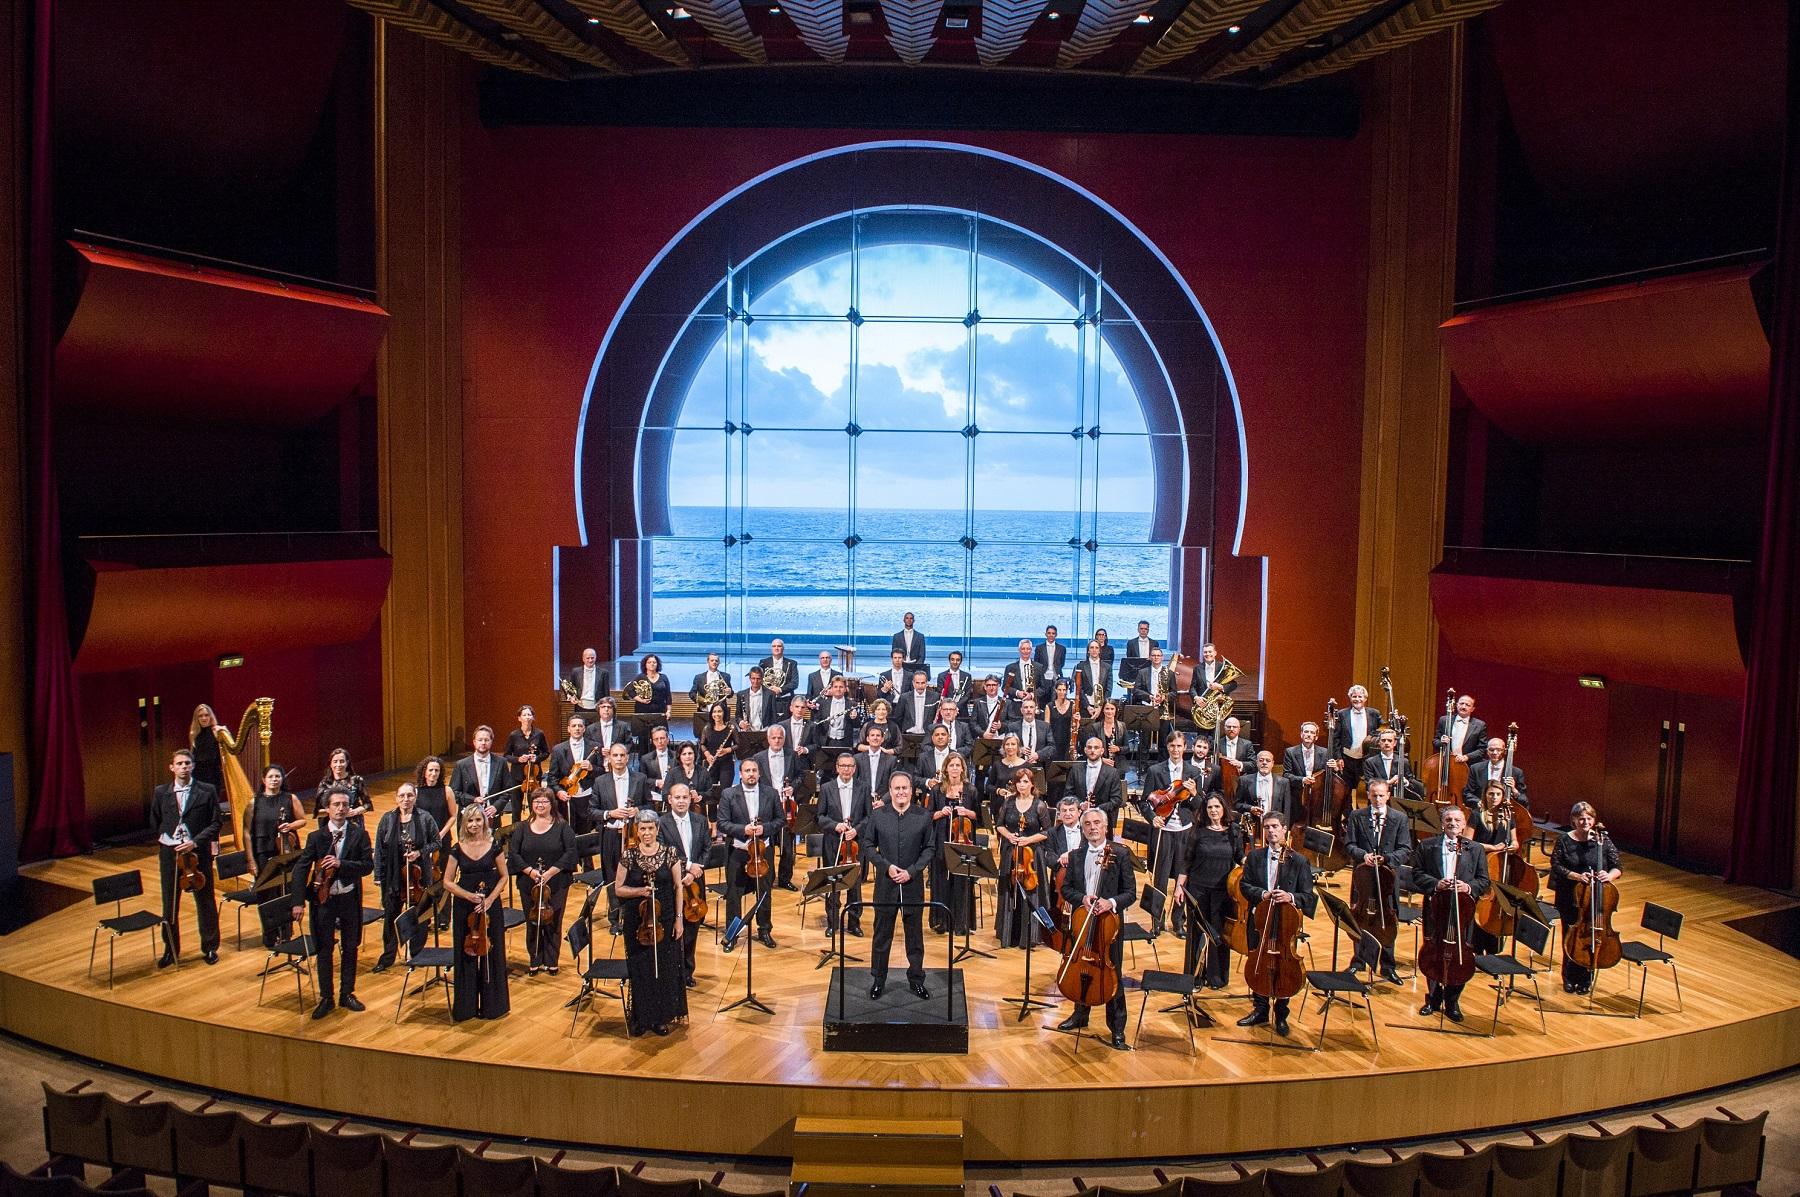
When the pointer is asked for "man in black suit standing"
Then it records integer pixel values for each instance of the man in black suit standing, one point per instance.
(756, 705)
(344, 846)
(563, 759)
(1169, 845)
(185, 816)
(875, 767)
(1446, 864)
(1387, 763)
(954, 683)
(1262, 791)
(909, 642)
(1306, 758)
(1465, 735)
(749, 810)
(482, 773)
(1231, 746)
(931, 758)
(1137, 651)
(619, 793)
(783, 775)
(1023, 679)
(1375, 836)
(1351, 729)
(989, 710)
(917, 707)
(1051, 655)
(843, 807)
(799, 732)
(684, 829)
(1208, 673)
(1290, 880)
(899, 841)
(1094, 782)
(1035, 740)
(1103, 880)
(587, 683)
(709, 681)
(606, 729)
(819, 680)
(1493, 766)
(962, 736)
(780, 676)
(656, 762)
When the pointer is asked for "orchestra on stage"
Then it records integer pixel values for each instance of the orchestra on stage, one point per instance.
(1089, 781)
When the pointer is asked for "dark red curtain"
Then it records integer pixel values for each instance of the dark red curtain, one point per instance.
(56, 824)
(1762, 840)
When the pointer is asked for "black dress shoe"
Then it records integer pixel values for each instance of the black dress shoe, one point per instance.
(382, 965)
(1118, 1041)
(1072, 1023)
(323, 1008)
(856, 930)
(766, 940)
(210, 957)
(1428, 1009)
(1391, 977)
(1180, 932)
(876, 989)
(729, 945)
(1281, 1025)
(790, 887)
(1255, 1018)
(1453, 1012)
(918, 988)
(348, 1001)
(1568, 987)
(691, 983)
(1585, 987)
(1155, 929)
(168, 958)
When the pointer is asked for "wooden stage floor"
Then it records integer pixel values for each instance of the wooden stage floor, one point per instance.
(732, 1083)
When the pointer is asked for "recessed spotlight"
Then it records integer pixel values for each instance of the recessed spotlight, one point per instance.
(679, 13)
(774, 11)
(1142, 18)
(593, 20)
(1234, 30)
(1056, 16)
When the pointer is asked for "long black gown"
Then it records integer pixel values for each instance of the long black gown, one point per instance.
(479, 983)
(1012, 922)
(657, 974)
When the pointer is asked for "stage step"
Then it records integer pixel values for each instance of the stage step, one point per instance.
(856, 1157)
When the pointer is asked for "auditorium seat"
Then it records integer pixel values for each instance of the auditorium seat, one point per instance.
(1664, 1159)
(1453, 1175)
(554, 1180)
(711, 1189)
(20, 1184)
(1528, 1169)
(633, 1185)
(208, 1146)
(1598, 1165)
(1731, 1151)
(139, 1135)
(345, 1165)
(1325, 1180)
(415, 1170)
(276, 1157)
(479, 1174)
(1244, 1184)
(1394, 1177)
(74, 1125)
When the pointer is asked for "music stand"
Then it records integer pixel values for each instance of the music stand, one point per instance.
(912, 743)
(981, 755)
(1130, 667)
(743, 928)
(975, 863)
(1319, 842)
(1215, 942)
(749, 742)
(1145, 721)
(1026, 1002)
(1056, 777)
(832, 881)
(641, 725)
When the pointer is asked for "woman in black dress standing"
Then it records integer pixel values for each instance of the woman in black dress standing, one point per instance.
(404, 837)
(687, 769)
(1024, 823)
(1215, 847)
(542, 857)
(649, 690)
(273, 812)
(645, 883)
(337, 773)
(881, 715)
(526, 745)
(718, 752)
(1060, 714)
(436, 798)
(1006, 766)
(951, 793)
(475, 878)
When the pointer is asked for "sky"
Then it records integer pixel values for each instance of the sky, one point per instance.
(1025, 375)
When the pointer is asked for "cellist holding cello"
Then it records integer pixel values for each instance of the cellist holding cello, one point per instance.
(1102, 881)
(1285, 878)
(1452, 874)
(1378, 838)
(1581, 856)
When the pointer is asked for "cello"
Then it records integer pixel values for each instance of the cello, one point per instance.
(1273, 969)
(1590, 940)
(1447, 772)
(1087, 975)
(1371, 886)
(1445, 956)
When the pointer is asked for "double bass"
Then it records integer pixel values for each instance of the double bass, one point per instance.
(1445, 772)
(1445, 955)
(1590, 940)
(1273, 968)
(1507, 861)
(1371, 888)
(1236, 931)
(1087, 975)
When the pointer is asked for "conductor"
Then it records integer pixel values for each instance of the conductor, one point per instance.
(898, 840)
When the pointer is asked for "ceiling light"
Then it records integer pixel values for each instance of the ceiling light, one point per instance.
(1056, 16)
(774, 11)
(1235, 30)
(956, 22)
(679, 13)
(593, 20)
(1142, 18)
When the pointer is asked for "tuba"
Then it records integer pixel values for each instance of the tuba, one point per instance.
(1215, 707)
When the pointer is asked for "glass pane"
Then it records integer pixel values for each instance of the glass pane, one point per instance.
(1131, 581)
(799, 485)
(1016, 590)
(796, 591)
(926, 579)
(796, 373)
(704, 404)
(1026, 377)
(914, 281)
(1012, 290)
(912, 375)
(821, 289)
(1127, 488)
(1025, 487)
(1119, 406)
(688, 590)
(912, 477)
(697, 481)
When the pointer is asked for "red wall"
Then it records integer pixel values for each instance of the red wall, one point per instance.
(1270, 234)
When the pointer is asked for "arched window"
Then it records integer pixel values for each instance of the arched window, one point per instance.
(908, 410)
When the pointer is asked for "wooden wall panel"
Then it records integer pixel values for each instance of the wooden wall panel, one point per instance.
(418, 86)
(1414, 118)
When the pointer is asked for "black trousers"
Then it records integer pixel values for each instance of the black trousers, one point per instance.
(1115, 1005)
(912, 916)
(789, 849)
(1439, 995)
(1214, 905)
(337, 919)
(206, 907)
(393, 901)
(830, 848)
(737, 884)
(1171, 862)
(543, 941)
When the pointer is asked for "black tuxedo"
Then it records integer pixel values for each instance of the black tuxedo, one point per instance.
(796, 778)
(602, 687)
(1116, 881)
(925, 765)
(790, 677)
(1293, 875)
(1393, 843)
(1345, 745)
(906, 840)
(340, 914)
(1281, 794)
(466, 783)
(653, 771)
(1293, 763)
(608, 796)
(1377, 768)
(697, 691)
(1014, 689)
(962, 736)
(915, 652)
(1051, 658)
(832, 810)
(1471, 868)
(982, 713)
(1480, 771)
(904, 710)
(1044, 748)
(761, 702)
(1083, 684)
(734, 816)
(1136, 658)
(618, 732)
(800, 740)
(1202, 678)
(875, 778)
(1244, 753)
(1475, 739)
(669, 829)
(198, 824)
(819, 681)
(957, 689)
(1109, 787)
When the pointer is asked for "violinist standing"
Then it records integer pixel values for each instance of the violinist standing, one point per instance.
(1381, 835)
(1450, 862)
(1217, 848)
(1111, 889)
(843, 807)
(684, 829)
(542, 852)
(899, 842)
(185, 814)
(476, 878)
(1271, 871)
(404, 837)
(749, 811)
(342, 845)
(782, 771)
(1580, 856)
(645, 881)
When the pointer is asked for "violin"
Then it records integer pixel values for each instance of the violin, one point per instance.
(415, 883)
(323, 876)
(1024, 870)
(1087, 975)
(758, 864)
(1236, 931)
(1445, 955)
(1590, 940)
(650, 930)
(539, 912)
(578, 774)
(962, 827)
(531, 775)
(1164, 802)
(790, 811)
(849, 852)
(475, 943)
(1058, 938)
(693, 900)
(192, 877)
(1273, 969)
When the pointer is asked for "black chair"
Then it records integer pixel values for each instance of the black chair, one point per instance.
(437, 961)
(554, 1180)
(74, 1126)
(115, 888)
(481, 1175)
(1344, 985)
(229, 867)
(208, 1148)
(1179, 985)
(581, 939)
(1504, 970)
(1666, 924)
(419, 1171)
(276, 1157)
(295, 953)
(346, 1165)
(1132, 934)
(139, 1136)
